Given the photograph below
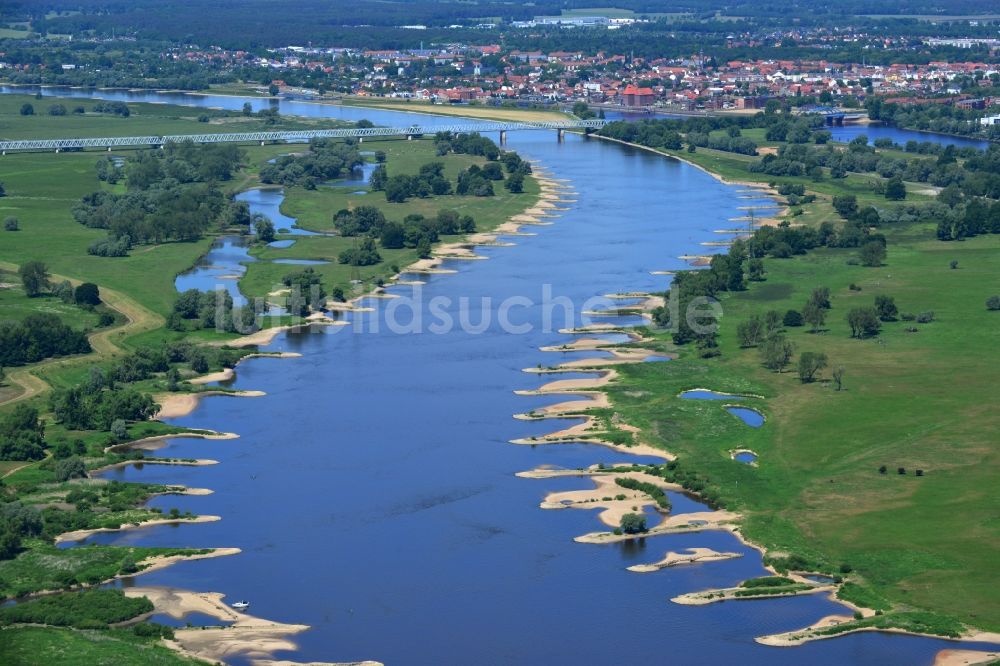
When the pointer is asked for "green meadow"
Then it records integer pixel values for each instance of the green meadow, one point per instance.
(917, 396)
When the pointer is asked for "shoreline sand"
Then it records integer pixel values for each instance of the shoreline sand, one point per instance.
(175, 405)
(248, 636)
(80, 535)
(690, 556)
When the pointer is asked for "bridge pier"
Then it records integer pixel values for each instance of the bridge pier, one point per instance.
(560, 135)
(503, 137)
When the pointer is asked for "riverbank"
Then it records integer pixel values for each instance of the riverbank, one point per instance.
(259, 639)
(628, 386)
(244, 634)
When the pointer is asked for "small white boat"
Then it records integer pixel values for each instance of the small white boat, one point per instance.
(241, 605)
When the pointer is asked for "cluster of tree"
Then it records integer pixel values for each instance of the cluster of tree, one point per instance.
(211, 309)
(766, 332)
(97, 405)
(944, 118)
(135, 62)
(652, 133)
(325, 160)
(805, 129)
(973, 173)
(35, 278)
(796, 193)
(466, 144)
(417, 231)
(36, 337)
(654, 491)
(726, 272)
(306, 290)
(22, 434)
(170, 212)
(184, 162)
(364, 254)
(479, 181)
(698, 131)
(113, 108)
(743, 262)
(582, 111)
(171, 196)
(109, 170)
(399, 188)
(514, 163)
(17, 521)
(632, 523)
(732, 142)
(87, 609)
(359, 221)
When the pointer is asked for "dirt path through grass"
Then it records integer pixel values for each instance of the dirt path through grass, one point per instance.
(105, 342)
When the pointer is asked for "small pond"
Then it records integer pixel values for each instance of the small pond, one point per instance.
(705, 394)
(751, 417)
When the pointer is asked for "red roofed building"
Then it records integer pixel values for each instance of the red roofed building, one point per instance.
(636, 96)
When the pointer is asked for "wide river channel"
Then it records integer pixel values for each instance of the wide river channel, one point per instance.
(373, 490)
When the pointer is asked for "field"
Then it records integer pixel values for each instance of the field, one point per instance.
(463, 110)
(912, 399)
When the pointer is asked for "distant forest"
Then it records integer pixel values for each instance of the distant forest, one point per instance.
(373, 23)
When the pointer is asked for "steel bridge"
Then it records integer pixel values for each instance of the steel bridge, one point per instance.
(295, 136)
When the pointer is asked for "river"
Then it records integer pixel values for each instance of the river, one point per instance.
(372, 489)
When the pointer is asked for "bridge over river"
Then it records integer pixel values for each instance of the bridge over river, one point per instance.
(295, 136)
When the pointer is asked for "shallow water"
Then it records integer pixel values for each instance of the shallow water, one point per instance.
(373, 491)
(751, 417)
(267, 201)
(221, 268)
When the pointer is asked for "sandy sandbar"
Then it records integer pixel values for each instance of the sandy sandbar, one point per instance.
(79, 535)
(690, 556)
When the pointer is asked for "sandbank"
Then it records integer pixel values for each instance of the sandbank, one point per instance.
(811, 633)
(730, 594)
(603, 378)
(589, 400)
(247, 635)
(174, 405)
(690, 556)
(684, 523)
(158, 441)
(965, 657)
(266, 336)
(604, 496)
(79, 535)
